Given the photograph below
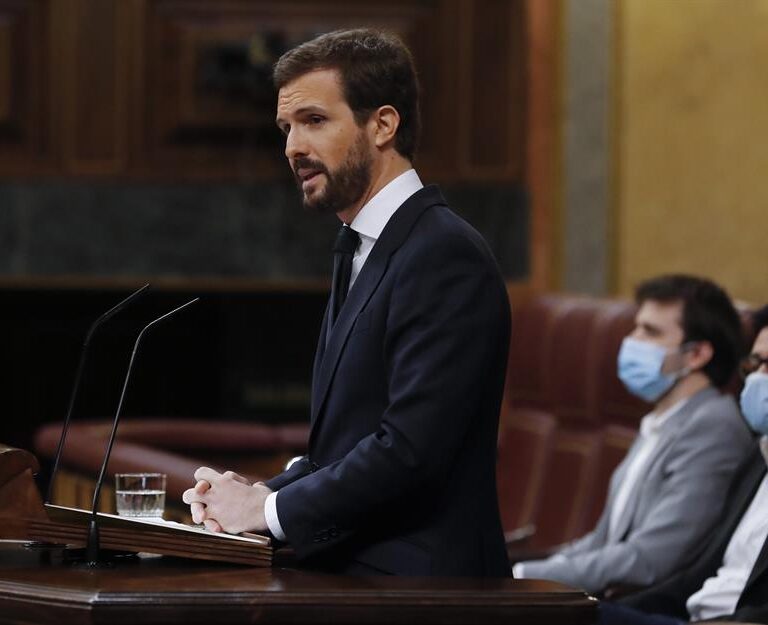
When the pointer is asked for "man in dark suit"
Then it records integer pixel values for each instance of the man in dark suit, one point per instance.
(728, 579)
(409, 369)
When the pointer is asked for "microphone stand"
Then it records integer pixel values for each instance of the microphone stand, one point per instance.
(92, 551)
(42, 545)
(78, 376)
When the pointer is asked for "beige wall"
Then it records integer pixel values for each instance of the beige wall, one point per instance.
(691, 141)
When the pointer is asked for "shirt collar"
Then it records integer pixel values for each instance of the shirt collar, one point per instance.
(653, 422)
(372, 218)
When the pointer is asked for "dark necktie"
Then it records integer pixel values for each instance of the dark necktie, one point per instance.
(344, 248)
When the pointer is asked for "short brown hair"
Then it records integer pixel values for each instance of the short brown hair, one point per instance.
(376, 69)
(759, 320)
(708, 315)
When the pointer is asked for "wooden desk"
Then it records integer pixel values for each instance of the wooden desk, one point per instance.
(36, 587)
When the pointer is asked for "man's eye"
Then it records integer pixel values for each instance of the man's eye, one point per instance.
(285, 129)
(316, 119)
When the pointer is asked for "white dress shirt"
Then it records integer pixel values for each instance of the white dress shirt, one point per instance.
(369, 224)
(650, 429)
(720, 593)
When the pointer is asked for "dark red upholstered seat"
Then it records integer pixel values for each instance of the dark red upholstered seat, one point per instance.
(570, 345)
(175, 447)
(526, 369)
(525, 448)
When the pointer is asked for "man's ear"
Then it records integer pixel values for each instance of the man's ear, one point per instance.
(700, 354)
(386, 121)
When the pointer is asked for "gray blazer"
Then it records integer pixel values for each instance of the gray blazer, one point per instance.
(669, 511)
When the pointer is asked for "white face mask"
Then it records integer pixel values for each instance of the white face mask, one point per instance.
(640, 369)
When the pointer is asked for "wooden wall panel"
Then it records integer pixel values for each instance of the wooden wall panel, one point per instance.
(492, 90)
(25, 131)
(6, 71)
(181, 89)
(91, 81)
(542, 164)
(207, 82)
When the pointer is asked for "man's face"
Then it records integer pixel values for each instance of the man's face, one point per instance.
(661, 323)
(760, 349)
(330, 155)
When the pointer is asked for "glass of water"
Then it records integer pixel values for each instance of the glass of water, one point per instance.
(140, 494)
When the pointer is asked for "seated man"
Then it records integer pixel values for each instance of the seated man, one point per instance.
(667, 493)
(728, 579)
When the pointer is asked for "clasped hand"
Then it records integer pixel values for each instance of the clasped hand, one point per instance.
(227, 502)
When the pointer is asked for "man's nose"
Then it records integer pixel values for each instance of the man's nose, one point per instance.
(295, 145)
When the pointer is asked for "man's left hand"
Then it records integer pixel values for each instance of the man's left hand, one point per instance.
(225, 502)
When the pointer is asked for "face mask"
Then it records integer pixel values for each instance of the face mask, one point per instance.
(640, 364)
(754, 401)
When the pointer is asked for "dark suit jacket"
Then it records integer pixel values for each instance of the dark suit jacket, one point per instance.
(670, 596)
(400, 474)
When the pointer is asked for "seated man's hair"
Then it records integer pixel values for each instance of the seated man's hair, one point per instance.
(759, 320)
(708, 315)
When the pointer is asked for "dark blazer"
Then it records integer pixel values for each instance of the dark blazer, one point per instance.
(670, 596)
(400, 474)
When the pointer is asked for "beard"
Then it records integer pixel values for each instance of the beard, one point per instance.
(345, 185)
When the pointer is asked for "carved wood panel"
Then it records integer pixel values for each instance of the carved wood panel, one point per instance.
(492, 91)
(91, 84)
(181, 88)
(207, 69)
(25, 129)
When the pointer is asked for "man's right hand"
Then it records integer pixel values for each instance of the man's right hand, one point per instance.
(197, 509)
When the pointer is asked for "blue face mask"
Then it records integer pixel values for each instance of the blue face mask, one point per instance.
(640, 364)
(754, 401)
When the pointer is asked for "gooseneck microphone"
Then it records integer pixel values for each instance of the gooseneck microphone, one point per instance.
(92, 546)
(78, 376)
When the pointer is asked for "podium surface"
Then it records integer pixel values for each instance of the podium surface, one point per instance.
(37, 586)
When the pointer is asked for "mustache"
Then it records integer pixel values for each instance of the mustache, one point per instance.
(304, 162)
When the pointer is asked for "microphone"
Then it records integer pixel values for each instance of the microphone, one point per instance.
(92, 546)
(78, 376)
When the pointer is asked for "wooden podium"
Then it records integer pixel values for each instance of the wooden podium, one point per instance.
(27, 518)
(37, 585)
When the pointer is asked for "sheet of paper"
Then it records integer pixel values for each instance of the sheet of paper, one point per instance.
(195, 529)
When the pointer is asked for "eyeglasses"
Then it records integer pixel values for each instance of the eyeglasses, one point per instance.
(751, 363)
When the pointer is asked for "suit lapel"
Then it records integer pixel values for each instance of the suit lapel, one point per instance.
(753, 478)
(621, 472)
(630, 507)
(319, 353)
(667, 436)
(670, 429)
(392, 237)
(613, 490)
